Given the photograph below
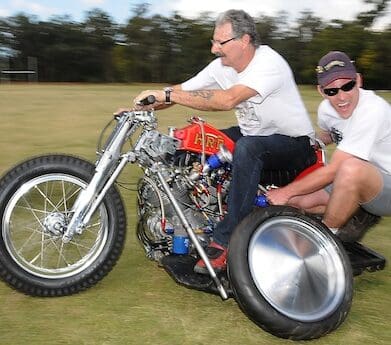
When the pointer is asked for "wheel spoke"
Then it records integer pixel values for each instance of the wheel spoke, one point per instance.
(46, 199)
(66, 198)
(33, 211)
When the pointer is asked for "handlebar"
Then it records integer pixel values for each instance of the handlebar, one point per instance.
(147, 100)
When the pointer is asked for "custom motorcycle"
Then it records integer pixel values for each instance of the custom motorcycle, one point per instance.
(63, 227)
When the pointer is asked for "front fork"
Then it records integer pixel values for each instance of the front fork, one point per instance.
(89, 200)
(106, 172)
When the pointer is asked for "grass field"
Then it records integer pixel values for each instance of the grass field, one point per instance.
(138, 303)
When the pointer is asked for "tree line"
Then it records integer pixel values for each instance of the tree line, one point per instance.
(155, 48)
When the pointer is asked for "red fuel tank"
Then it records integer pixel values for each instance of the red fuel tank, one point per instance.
(191, 138)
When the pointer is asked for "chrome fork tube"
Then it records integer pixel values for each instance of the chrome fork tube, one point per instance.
(104, 190)
(89, 200)
(106, 171)
(192, 236)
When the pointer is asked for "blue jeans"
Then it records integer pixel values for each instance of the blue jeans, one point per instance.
(253, 154)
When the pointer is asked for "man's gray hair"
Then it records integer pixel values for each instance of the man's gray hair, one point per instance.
(242, 23)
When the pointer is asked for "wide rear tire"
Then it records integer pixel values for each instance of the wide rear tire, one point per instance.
(289, 274)
(36, 199)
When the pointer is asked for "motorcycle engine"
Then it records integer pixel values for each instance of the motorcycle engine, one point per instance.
(197, 196)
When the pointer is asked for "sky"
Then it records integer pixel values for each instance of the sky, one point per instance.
(120, 10)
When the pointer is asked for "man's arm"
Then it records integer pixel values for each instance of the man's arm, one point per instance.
(203, 99)
(313, 182)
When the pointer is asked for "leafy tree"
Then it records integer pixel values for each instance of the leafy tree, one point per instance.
(190, 46)
(367, 19)
(171, 49)
(100, 32)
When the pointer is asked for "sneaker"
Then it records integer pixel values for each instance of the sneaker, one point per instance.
(218, 259)
(356, 227)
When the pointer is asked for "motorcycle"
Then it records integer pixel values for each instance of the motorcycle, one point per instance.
(63, 227)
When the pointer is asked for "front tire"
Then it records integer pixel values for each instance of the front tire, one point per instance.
(289, 274)
(36, 199)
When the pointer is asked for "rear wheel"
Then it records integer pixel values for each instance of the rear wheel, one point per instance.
(36, 199)
(289, 273)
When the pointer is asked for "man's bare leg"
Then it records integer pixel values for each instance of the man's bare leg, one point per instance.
(356, 181)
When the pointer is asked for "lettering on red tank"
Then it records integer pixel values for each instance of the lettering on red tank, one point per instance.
(211, 141)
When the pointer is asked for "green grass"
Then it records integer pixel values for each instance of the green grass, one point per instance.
(138, 303)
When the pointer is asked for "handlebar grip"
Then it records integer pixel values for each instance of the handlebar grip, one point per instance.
(147, 100)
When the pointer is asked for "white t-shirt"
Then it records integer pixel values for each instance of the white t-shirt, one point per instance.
(366, 133)
(276, 109)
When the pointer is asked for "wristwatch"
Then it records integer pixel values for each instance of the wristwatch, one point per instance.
(168, 91)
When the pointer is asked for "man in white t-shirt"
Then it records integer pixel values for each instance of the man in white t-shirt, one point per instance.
(274, 130)
(359, 122)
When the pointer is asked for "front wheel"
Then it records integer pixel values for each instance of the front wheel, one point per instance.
(36, 199)
(289, 273)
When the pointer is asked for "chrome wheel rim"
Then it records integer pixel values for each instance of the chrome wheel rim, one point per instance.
(296, 268)
(35, 219)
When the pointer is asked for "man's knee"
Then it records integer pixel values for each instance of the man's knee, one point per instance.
(351, 171)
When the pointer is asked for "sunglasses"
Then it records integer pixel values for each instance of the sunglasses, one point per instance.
(332, 91)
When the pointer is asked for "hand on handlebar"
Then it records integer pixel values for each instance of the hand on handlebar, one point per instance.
(149, 99)
(146, 100)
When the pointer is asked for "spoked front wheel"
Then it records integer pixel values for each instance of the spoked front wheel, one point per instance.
(289, 273)
(36, 199)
